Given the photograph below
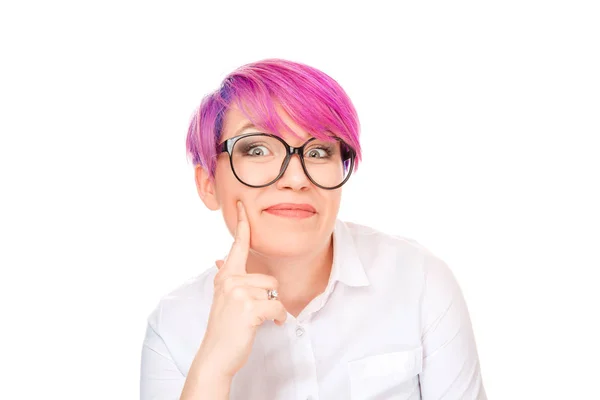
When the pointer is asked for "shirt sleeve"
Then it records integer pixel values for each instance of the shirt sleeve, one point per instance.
(451, 368)
(160, 377)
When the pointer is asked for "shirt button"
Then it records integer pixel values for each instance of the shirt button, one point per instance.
(300, 332)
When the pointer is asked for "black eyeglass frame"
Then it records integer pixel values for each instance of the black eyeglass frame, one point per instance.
(228, 145)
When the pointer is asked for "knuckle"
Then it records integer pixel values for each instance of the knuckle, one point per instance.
(273, 282)
(238, 293)
(249, 307)
(280, 306)
(269, 282)
(218, 278)
(228, 284)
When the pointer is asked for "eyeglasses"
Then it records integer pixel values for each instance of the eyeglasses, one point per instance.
(260, 159)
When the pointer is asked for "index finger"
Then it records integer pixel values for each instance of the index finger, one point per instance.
(236, 259)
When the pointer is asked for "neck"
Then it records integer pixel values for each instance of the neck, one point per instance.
(301, 279)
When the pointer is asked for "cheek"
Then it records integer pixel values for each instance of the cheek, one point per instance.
(229, 193)
(230, 217)
(229, 210)
(333, 200)
(228, 188)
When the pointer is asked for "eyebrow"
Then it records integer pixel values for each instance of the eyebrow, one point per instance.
(250, 125)
(247, 125)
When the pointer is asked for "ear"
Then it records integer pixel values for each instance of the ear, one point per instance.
(205, 185)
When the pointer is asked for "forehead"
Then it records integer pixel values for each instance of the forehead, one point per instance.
(236, 122)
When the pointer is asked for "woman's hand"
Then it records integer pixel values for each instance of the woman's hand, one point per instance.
(240, 305)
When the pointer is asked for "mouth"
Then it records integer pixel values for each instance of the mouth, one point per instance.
(291, 210)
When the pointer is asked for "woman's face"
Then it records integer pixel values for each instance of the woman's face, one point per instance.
(276, 233)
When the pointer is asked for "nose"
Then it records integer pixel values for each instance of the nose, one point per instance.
(294, 177)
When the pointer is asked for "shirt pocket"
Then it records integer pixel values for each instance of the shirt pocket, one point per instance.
(386, 376)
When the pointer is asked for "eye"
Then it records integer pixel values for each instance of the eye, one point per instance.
(258, 151)
(317, 153)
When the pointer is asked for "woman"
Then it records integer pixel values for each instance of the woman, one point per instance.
(304, 306)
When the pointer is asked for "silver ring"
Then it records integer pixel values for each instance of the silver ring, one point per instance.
(272, 294)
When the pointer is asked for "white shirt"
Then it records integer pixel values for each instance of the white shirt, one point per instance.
(391, 324)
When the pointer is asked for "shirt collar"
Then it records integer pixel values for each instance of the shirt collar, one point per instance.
(347, 266)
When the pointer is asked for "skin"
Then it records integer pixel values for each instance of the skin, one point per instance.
(297, 252)
(239, 307)
(293, 256)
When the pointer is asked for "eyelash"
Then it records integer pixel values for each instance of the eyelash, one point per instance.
(249, 146)
(326, 148)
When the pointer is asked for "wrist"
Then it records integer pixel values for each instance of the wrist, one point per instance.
(207, 367)
(205, 382)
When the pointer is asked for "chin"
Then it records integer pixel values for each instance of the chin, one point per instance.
(284, 244)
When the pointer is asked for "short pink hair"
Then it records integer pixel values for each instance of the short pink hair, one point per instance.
(312, 99)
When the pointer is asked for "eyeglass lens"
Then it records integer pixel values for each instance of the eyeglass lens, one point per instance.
(258, 159)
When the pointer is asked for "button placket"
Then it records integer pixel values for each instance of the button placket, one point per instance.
(303, 355)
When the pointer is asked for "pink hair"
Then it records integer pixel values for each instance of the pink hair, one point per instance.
(312, 99)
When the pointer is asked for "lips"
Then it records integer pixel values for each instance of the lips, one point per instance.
(292, 210)
(293, 206)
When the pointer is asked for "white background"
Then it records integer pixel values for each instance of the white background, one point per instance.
(480, 127)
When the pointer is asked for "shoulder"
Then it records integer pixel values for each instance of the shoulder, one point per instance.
(398, 253)
(405, 267)
(370, 240)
